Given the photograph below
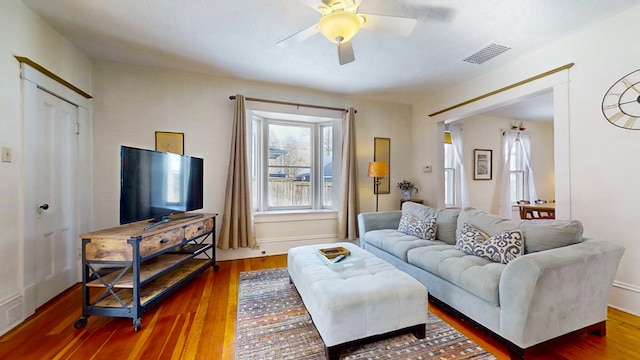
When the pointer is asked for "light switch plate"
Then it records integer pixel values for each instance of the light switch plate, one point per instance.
(426, 168)
(6, 154)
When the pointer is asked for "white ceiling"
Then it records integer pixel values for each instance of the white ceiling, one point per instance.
(237, 38)
(537, 108)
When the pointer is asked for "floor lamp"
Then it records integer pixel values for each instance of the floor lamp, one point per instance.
(377, 170)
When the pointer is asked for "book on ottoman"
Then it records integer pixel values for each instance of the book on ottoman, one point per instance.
(339, 258)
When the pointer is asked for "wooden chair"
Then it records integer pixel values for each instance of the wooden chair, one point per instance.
(525, 214)
(545, 214)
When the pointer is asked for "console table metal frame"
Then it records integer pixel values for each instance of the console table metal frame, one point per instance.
(147, 275)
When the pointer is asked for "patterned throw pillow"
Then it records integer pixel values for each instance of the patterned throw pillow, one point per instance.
(424, 229)
(501, 248)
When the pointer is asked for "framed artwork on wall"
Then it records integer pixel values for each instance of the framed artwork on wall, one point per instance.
(482, 164)
(170, 142)
(382, 153)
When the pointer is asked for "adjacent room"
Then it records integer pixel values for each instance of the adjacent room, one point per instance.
(319, 179)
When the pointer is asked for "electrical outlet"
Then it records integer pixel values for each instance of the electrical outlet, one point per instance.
(6, 154)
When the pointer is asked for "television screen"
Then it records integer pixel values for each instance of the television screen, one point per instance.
(156, 184)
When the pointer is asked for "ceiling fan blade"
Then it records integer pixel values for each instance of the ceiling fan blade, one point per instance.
(299, 37)
(393, 24)
(345, 53)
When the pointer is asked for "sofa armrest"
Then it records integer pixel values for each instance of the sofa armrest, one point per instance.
(376, 221)
(550, 293)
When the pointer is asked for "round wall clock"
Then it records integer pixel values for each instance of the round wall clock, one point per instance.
(621, 103)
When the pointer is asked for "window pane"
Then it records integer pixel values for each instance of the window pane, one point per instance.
(513, 181)
(289, 146)
(517, 157)
(290, 171)
(449, 187)
(327, 165)
(287, 191)
(449, 175)
(516, 180)
(518, 171)
(449, 158)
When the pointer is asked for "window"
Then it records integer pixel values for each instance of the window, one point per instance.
(292, 162)
(517, 173)
(449, 171)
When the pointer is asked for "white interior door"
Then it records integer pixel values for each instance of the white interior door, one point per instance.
(52, 162)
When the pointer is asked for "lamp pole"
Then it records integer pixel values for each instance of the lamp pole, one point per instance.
(377, 183)
(376, 171)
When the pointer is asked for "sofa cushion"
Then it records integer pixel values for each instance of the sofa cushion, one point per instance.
(539, 234)
(446, 219)
(424, 229)
(501, 248)
(476, 275)
(468, 235)
(550, 234)
(396, 242)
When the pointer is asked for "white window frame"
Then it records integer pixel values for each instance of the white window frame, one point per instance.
(450, 176)
(518, 169)
(259, 122)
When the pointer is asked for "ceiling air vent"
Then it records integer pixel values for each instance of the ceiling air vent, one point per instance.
(486, 54)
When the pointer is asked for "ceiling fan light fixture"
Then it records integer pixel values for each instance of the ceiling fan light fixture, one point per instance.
(339, 26)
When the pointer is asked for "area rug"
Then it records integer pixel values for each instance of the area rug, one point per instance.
(272, 323)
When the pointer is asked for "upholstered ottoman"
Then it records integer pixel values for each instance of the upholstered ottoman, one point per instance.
(360, 303)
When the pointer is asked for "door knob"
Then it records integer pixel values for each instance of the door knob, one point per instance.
(44, 206)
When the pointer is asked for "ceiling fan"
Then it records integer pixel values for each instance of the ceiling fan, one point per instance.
(341, 20)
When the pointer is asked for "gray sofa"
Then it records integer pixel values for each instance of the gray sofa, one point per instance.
(560, 284)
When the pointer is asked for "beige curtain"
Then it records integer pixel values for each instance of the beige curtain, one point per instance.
(237, 219)
(348, 207)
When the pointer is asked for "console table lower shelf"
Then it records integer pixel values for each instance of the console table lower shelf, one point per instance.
(150, 291)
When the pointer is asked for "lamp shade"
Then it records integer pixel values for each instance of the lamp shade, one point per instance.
(339, 26)
(378, 169)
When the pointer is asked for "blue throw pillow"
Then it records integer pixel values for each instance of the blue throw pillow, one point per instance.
(501, 248)
(424, 229)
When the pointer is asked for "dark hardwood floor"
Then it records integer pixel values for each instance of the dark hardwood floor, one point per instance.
(198, 322)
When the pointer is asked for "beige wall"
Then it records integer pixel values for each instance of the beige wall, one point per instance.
(131, 103)
(602, 174)
(484, 132)
(23, 34)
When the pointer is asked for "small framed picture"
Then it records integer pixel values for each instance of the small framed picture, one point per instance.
(482, 164)
(170, 142)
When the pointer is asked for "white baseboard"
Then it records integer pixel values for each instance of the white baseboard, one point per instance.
(625, 297)
(626, 286)
(274, 246)
(11, 313)
(297, 239)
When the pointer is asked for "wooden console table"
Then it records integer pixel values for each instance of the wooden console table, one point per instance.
(147, 265)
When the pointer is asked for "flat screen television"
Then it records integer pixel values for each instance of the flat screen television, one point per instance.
(154, 185)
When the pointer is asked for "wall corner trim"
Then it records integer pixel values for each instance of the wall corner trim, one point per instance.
(42, 69)
(533, 78)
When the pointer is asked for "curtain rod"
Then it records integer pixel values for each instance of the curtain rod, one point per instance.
(233, 97)
(539, 76)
